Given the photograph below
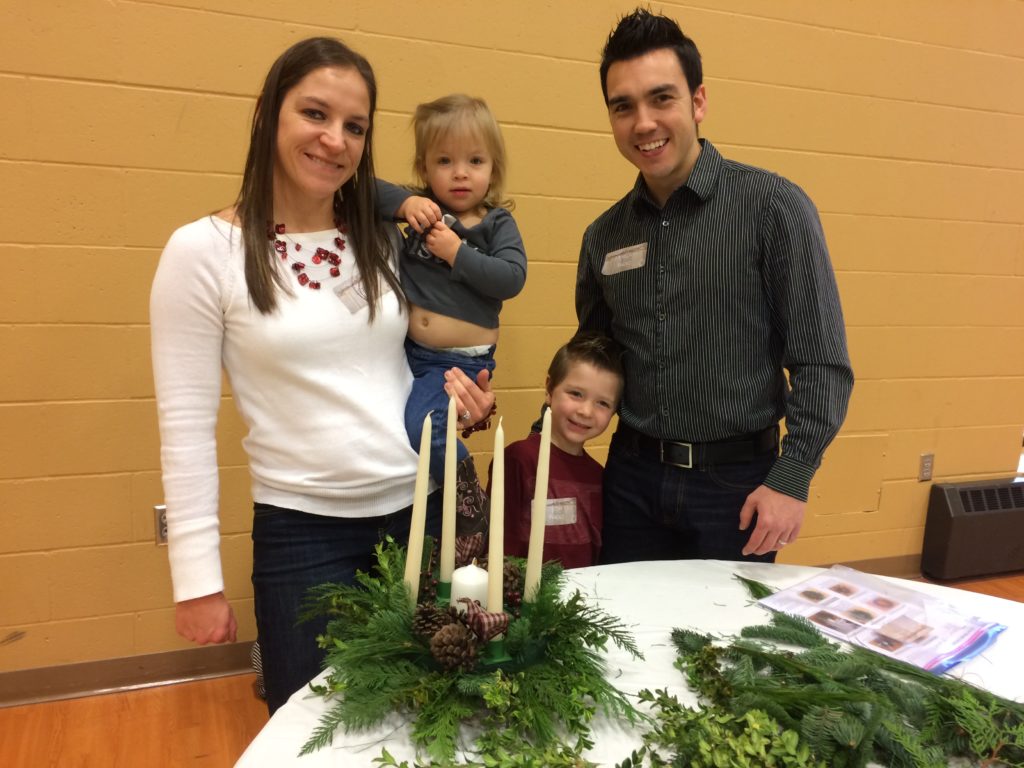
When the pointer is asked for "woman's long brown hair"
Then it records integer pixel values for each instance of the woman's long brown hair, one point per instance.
(355, 204)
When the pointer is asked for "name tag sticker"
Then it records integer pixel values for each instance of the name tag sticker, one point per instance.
(624, 259)
(352, 296)
(560, 512)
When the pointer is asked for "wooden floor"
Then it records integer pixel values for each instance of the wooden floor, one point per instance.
(207, 723)
(1007, 586)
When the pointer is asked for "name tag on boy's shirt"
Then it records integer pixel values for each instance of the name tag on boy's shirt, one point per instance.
(624, 259)
(560, 512)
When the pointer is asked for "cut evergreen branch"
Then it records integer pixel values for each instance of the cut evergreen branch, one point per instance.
(756, 589)
(849, 707)
(527, 757)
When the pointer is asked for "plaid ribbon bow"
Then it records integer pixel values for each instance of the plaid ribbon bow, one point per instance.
(484, 625)
(468, 547)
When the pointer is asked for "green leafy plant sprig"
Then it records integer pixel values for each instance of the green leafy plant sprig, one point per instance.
(711, 737)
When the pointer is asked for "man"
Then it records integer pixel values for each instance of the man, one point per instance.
(715, 279)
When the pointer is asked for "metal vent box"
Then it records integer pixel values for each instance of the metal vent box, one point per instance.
(974, 529)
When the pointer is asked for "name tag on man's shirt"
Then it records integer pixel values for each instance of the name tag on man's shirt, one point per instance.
(624, 259)
(560, 512)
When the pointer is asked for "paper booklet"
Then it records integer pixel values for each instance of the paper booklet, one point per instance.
(876, 614)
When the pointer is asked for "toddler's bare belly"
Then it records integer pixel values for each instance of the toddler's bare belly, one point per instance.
(434, 330)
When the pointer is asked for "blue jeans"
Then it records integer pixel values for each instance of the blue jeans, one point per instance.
(655, 511)
(293, 551)
(428, 367)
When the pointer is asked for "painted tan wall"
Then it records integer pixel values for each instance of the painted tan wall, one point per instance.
(903, 120)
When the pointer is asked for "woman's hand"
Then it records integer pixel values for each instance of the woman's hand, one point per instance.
(474, 400)
(206, 620)
(420, 212)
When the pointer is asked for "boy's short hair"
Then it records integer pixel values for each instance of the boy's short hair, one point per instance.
(602, 352)
(641, 32)
(458, 114)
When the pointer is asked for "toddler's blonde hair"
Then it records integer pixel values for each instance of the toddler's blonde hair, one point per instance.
(459, 116)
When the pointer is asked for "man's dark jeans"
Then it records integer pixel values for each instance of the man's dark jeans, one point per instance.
(655, 511)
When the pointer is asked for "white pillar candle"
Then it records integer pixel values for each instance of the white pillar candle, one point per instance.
(469, 581)
(414, 552)
(538, 512)
(496, 534)
(448, 498)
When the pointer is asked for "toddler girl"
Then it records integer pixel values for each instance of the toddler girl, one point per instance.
(456, 270)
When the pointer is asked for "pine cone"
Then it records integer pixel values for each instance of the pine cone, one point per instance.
(454, 647)
(512, 585)
(513, 577)
(428, 580)
(429, 618)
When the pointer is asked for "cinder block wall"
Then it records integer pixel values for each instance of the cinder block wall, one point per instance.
(903, 120)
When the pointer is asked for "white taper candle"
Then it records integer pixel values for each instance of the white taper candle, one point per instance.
(448, 497)
(496, 535)
(538, 512)
(414, 552)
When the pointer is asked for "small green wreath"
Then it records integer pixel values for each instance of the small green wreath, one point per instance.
(380, 661)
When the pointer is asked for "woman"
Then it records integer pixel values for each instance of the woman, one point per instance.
(292, 291)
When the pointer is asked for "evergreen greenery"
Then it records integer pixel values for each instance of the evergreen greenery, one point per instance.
(848, 707)
(780, 695)
(551, 688)
(523, 757)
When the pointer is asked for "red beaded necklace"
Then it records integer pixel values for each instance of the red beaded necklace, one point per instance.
(321, 255)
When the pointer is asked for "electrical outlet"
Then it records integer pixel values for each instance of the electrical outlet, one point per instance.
(160, 520)
(924, 471)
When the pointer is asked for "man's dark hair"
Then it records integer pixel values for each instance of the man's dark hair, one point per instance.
(641, 32)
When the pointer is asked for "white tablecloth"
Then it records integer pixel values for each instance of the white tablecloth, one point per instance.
(652, 598)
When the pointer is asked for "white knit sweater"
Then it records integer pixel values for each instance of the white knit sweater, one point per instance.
(321, 391)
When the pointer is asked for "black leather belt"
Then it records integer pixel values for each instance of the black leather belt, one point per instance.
(734, 450)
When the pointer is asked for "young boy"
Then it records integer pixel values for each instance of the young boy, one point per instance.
(584, 384)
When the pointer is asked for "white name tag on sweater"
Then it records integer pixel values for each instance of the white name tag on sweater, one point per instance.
(352, 295)
(560, 512)
(624, 259)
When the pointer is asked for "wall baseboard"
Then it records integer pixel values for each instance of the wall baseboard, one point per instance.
(92, 678)
(901, 566)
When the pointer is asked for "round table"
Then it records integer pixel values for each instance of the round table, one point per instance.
(652, 598)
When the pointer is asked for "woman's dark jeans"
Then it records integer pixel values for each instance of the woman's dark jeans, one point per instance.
(293, 551)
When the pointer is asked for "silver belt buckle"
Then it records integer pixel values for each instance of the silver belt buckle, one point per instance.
(689, 454)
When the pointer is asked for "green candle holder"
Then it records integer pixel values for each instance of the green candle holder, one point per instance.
(495, 653)
(444, 592)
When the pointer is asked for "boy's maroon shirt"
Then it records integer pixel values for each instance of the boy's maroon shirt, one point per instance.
(574, 479)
